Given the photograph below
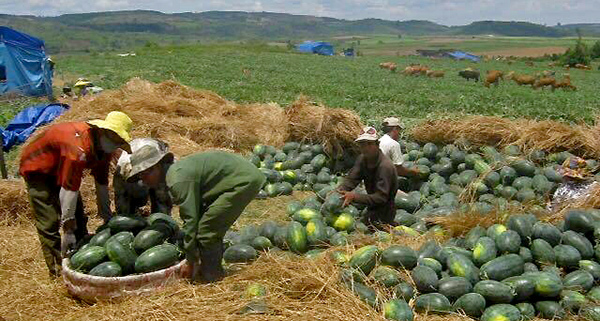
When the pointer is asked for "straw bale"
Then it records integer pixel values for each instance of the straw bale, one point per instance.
(547, 135)
(14, 203)
(188, 120)
(335, 128)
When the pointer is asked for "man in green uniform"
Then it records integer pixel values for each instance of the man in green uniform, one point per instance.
(211, 189)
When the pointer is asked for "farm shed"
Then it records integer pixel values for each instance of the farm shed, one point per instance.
(316, 47)
(24, 66)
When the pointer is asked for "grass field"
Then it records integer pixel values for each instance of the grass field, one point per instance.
(355, 83)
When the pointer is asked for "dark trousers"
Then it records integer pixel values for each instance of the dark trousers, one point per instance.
(43, 197)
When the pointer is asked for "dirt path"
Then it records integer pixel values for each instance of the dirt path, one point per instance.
(524, 52)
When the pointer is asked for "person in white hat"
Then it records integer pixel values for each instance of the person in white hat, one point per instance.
(391, 148)
(130, 197)
(379, 175)
(53, 164)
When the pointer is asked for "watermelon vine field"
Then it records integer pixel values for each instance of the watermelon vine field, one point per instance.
(253, 74)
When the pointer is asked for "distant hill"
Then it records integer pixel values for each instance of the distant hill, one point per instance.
(125, 29)
(586, 28)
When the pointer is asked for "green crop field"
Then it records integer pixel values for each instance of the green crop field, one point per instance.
(277, 75)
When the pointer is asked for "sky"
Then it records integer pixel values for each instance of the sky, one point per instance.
(446, 12)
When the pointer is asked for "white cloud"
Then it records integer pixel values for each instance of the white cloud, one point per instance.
(449, 12)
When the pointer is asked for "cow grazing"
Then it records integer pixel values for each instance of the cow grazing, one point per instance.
(564, 83)
(582, 66)
(544, 82)
(388, 65)
(492, 77)
(529, 63)
(521, 80)
(435, 73)
(547, 73)
(469, 74)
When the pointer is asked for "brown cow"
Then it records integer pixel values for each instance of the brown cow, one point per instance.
(435, 73)
(582, 66)
(529, 63)
(493, 77)
(547, 73)
(543, 82)
(521, 80)
(388, 65)
(565, 83)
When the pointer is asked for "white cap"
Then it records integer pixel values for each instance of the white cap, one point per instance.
(367, 134)
(392, 122)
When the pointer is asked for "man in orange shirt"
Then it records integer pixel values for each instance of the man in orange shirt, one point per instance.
(52, 165)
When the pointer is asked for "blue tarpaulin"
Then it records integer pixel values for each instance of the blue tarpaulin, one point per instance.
(461, 55)
(316, 47)
(27, 121)
(24, 66)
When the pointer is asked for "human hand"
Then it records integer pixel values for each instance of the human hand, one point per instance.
(348, 198)
(67, 243)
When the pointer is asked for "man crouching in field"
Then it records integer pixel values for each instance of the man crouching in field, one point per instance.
(379, 176)
(211, 189)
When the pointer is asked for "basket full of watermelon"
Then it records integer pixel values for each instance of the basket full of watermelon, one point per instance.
(127, 255)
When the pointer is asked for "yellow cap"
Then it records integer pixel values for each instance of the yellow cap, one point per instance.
(116, 121)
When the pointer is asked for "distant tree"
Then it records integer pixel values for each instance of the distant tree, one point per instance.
(579, 54)
(595, 51)
(399, 36)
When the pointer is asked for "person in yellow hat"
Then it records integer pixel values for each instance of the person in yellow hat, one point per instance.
(577, 183)
(53, 163)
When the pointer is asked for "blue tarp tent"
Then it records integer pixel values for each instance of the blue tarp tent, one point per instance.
(27, 121)
(461, 55)
(316, 47)
(24, 66)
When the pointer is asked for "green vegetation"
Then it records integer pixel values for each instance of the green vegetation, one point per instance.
(355, 83)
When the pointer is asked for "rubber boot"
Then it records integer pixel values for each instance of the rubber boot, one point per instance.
(210, 264)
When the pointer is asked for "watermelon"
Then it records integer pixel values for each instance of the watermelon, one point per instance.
(397, 310)
(399, 256)
(550, 310)
(425, 279)
(344, 222)
(542, 252)
(240, 253)
(473, 236)
(579, 220)
(484, 250)
(495, 230)
(527, 310)
(106, 269)
(502, 267)
(386, 276)
(316, 233)
(547, 232)
(566, 256)
(547, 285)
(572, 301)
(404, 291)
(365, 293)
(87, 258)
(339, 239)
(296, 238)
(472, 304)
(432, 303)
(578, 280)
(508, 242)
(305, 215)
(524, 167)
(522, 225)
(579, 242)
(524, 286)
(494, 292)
(122, 254)
(454, 287)
(100, 238)
(591, 267)
(147, 239)
(507, 175)
(157, 258)
(365, 258)
(504, 312)
(125, 238)
(268, 229)
(261, 243)
(121, 223)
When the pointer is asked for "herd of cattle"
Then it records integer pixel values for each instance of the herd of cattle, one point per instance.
(540, 80)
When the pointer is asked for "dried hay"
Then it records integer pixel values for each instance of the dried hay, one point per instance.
(546, 135)
(335, 128)
(14, 202)
(188, 120)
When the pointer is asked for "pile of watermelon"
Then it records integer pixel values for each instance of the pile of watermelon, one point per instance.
(296, 167)
(130, 244)
(316, 223)
(512, 272)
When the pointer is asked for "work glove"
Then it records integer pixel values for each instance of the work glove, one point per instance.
(68, 242)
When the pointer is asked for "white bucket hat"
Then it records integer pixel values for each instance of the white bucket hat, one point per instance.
(392, 122)
(146, 157)
(367, 134)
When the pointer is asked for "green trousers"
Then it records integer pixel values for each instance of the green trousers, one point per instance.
(212, 189)
(43, 197)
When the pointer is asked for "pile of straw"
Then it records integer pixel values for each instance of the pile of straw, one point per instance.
(547, 135)
(336, 129)
(14, 202)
